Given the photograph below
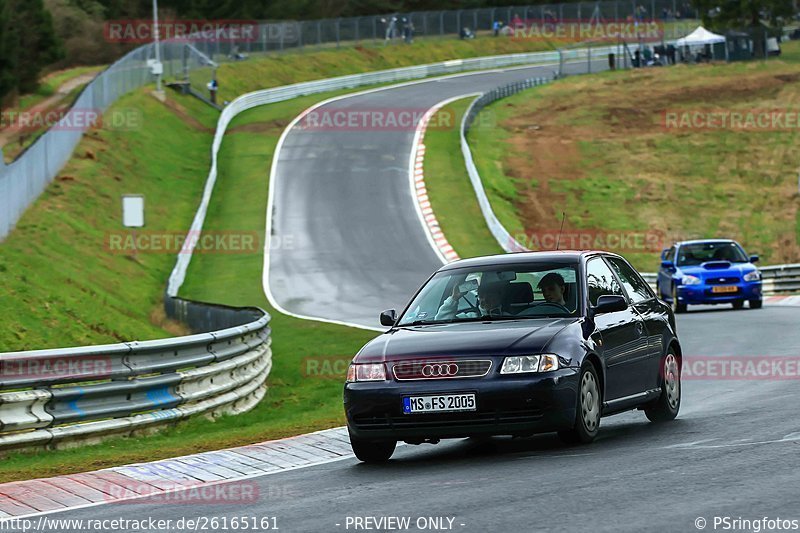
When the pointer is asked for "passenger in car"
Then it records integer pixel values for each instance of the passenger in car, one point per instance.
(552, 287)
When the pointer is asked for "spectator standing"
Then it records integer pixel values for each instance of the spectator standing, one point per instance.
(213, 87)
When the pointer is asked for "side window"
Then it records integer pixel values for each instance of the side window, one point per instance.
(600, 280)
(671, 254)
(635, 286)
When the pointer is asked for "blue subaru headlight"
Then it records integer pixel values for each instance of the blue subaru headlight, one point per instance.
(755, 275)
(690, 280)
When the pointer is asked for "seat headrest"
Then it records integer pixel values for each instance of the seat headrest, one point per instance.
(519, 293)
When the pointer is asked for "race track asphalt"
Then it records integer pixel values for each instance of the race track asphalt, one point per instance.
(349, 241)
(731, 452)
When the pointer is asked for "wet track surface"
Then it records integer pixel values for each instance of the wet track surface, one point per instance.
(343, 200)
(732, 452)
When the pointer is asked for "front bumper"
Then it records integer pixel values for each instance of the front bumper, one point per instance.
(506, 405)
(702, 294)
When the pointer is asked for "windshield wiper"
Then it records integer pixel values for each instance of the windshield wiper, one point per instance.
(422, 323)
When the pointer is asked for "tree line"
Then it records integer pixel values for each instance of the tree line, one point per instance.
(39, 35)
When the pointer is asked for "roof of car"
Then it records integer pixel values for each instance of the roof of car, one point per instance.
(699, 241)
(554, 256)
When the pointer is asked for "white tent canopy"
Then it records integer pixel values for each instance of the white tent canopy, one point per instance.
(700, 36)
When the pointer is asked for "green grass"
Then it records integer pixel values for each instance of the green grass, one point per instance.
(60, 285)
(449, 189)
(299, 399)
(596, 148)
(307, 64)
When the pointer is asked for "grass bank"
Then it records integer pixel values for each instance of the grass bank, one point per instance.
(600, 149)
(449, 188)
(305, 382)
(60, 283)
(261, 72)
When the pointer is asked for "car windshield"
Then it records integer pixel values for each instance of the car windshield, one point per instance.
(702, 252)
(494, 293)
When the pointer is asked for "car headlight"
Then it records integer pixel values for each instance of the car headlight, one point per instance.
(755, 275)
(690, 280)
(366, 372)
(529, 363)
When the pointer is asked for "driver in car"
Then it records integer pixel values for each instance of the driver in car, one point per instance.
(489, 303)
(552, 287)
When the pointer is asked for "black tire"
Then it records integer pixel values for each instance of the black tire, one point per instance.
(668, 404)
(372, 451)
(738, 304)
(677, 307)
(587, 414)
(756, 304)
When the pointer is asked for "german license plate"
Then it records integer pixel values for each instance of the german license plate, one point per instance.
(725, 288)
(442, 403)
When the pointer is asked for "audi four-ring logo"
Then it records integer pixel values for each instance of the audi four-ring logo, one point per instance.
(440, 370)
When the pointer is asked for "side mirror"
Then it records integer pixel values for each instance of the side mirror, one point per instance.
(754, 259)
(388, 317)
(664, 253)
(668, 265)
(609, 304)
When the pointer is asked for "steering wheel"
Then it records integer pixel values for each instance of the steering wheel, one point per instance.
(553, 304)
(472, 307)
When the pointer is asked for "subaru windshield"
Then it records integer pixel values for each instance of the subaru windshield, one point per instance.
(495, 293)
(703, 252)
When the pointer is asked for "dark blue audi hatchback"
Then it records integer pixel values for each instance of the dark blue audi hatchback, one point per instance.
(515, 344)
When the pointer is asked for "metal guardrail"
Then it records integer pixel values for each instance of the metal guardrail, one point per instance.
(777, 279)
(50, 397)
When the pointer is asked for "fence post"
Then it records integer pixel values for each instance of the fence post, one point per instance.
(319, 33)
(375, 30)
(338, 28)
(458, 21)
(441, 23)
(589, 58)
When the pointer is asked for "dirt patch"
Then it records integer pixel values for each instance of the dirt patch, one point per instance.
(181, 111)
(547, 136)
(269, 126)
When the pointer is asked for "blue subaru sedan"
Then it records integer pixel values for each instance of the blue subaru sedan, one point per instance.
(716, 271)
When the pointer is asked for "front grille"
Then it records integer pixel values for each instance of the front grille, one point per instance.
(729, 280)
(418, 370)
(421, 421)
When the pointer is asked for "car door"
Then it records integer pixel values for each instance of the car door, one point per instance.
(651, 312)
(664, 282)
(622, 334)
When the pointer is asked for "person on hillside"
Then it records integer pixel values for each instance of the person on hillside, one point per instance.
(213, 87)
